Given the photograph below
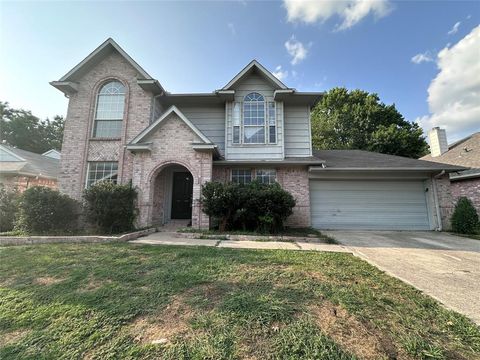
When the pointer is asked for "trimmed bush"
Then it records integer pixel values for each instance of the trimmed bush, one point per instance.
(111, 207)
(465, 218)
(46, 211)
(254, 206)
(8, 208)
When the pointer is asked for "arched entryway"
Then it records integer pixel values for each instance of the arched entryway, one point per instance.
(172, 194)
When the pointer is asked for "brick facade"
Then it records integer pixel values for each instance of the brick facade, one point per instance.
(22, 183)
(294, 179)
(469, 188)
(78, 147)
(172, 146)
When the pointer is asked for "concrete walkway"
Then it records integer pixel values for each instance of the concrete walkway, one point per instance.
(170, 238)
(444, 266)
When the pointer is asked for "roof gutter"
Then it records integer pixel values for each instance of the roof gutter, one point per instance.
(316, 168)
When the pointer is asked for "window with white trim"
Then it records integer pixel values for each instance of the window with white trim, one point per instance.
(236, 120)
(254, 119)
(272, 123)
(266, 176)
(101, 171)
(109, 110)
(241, 176)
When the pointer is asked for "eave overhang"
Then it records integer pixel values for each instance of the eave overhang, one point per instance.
(151, 85)
(293, 97)
(67, 87)
(397, 169)
(139, 147)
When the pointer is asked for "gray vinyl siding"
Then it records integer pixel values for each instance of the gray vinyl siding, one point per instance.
(254, 83)
(297, 131)
(210, 120)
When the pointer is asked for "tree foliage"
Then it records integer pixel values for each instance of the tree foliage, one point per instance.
(465, 218)
(8, 208)
(111, 207)
(253, 206)
(46, 211)
(359, 120)
(20, 128)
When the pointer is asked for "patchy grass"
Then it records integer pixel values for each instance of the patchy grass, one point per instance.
(63, 301)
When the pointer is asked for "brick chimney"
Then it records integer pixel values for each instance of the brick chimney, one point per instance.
(438, 141)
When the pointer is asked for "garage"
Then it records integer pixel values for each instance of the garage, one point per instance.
(369, 204)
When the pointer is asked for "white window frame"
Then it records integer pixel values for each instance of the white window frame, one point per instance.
(244, 175)
(244, 126)
(270, 171)
(95, 115)
(87, 177)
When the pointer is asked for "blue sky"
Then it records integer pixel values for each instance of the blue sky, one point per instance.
(199, 46)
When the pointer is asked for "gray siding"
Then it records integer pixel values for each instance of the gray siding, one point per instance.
(297, 131)
(254, 83)
(210, 120)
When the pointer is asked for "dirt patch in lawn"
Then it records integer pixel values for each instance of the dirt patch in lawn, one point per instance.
(353, 335)
(171, 322)
(12, 336)
(48, 280)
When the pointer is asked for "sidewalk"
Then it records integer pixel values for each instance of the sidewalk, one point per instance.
(170, 238)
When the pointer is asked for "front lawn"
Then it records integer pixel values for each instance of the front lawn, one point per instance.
(121, 301)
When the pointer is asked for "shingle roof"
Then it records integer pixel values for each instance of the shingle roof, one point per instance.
(34, 164)
(465, 152)
(360, 159)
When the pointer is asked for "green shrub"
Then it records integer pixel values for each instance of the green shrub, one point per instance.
(111, 207)
(253, 206)
(465, 218)
(46, 211)
(8, 208)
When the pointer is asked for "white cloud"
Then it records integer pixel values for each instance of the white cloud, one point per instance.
(454, 29)
(296, 50)
(420, 58)
(349, 11)
(232, 29)
(279, 73)
(454, 94)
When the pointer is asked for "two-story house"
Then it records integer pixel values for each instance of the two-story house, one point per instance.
(122, 125)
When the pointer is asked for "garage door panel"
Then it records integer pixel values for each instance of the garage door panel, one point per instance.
(397, 205)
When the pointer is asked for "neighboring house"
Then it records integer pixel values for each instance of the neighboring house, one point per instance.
(21, 169)
(123, 126)
(465, 152)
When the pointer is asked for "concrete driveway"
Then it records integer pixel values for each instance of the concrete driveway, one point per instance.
(444, 266)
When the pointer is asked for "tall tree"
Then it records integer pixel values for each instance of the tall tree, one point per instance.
(20, 128)
(359, 120)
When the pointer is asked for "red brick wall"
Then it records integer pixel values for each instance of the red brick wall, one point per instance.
(469, 188)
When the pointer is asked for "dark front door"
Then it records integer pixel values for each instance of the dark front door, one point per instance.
(182, 195)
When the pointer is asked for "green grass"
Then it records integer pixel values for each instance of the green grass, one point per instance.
(110, 301)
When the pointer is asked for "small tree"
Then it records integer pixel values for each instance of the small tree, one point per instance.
(221, 201)
(8, 208)
(111, 207)
(46, 211)
(465, 218)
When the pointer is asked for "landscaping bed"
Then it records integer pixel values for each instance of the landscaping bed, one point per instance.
(288, 235)
(118, 300)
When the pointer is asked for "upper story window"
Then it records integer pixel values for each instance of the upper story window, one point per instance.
(109, 111)
(255, 121)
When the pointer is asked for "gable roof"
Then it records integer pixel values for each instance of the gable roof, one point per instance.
(67, 83)
(153, 126)
(465, 152)
(29, 163)
(254, 65)
(366, 160)
(52, 153)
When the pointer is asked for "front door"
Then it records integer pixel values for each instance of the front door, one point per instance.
(182, 195)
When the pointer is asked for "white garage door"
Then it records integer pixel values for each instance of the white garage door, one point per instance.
(367, 204)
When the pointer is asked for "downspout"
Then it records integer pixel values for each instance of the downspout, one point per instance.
(435, 199)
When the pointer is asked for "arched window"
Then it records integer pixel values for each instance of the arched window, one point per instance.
(254, 119)
(109, 111)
